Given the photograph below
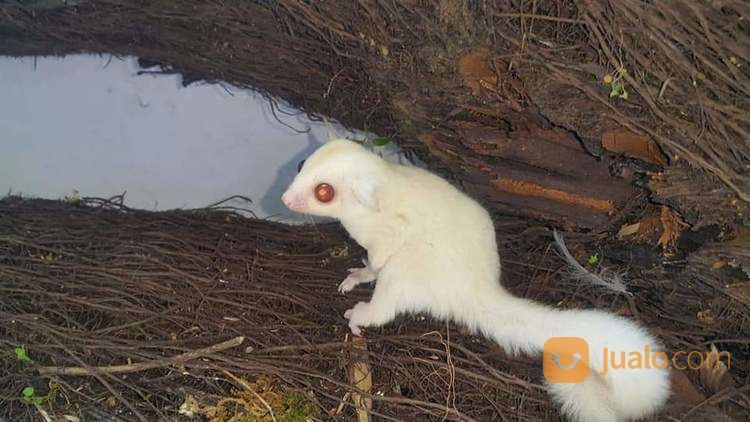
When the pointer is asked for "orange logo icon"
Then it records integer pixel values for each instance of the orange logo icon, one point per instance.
(566, 359)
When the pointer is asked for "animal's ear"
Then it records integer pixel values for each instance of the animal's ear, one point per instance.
(365, 191)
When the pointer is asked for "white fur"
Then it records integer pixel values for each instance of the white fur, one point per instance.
(432, 249)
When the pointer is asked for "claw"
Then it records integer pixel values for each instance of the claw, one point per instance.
(347, 285)
(356, 331)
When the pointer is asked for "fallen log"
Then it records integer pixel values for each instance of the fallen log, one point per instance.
(473, 117)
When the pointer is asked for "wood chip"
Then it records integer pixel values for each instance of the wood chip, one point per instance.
(706, 317)
(633, 145)
(628, 230)
(740, 291)
(714, 373)
(476, 72)
(672, 225)
(360, 376)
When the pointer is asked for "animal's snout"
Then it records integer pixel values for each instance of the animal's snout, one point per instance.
(294, 202)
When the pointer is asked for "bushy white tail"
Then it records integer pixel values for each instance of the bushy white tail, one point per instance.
(619, 390)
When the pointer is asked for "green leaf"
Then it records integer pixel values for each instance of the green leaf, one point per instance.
(379, 142)
(21, 355)
(618, 90)
(593, 260)
(29, 396)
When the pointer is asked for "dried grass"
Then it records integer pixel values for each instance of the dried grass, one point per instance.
(166, 304)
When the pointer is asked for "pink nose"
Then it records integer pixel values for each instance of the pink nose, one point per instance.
(293, 202)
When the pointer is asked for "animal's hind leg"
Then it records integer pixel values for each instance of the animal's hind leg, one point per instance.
(358, 276)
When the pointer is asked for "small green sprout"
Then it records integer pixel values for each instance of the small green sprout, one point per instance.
(380, 141)
(377, 141)
(616, 84)
(21, 355)
(593, 260)
(618, 90)
(30, 397)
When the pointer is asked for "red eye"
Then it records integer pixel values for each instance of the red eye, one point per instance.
(324, 192)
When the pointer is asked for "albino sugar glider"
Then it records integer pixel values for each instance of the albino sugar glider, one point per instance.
(432, 249)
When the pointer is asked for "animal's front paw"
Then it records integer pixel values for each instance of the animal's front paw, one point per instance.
(356, 276)
(348, 284)
(356, 331)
